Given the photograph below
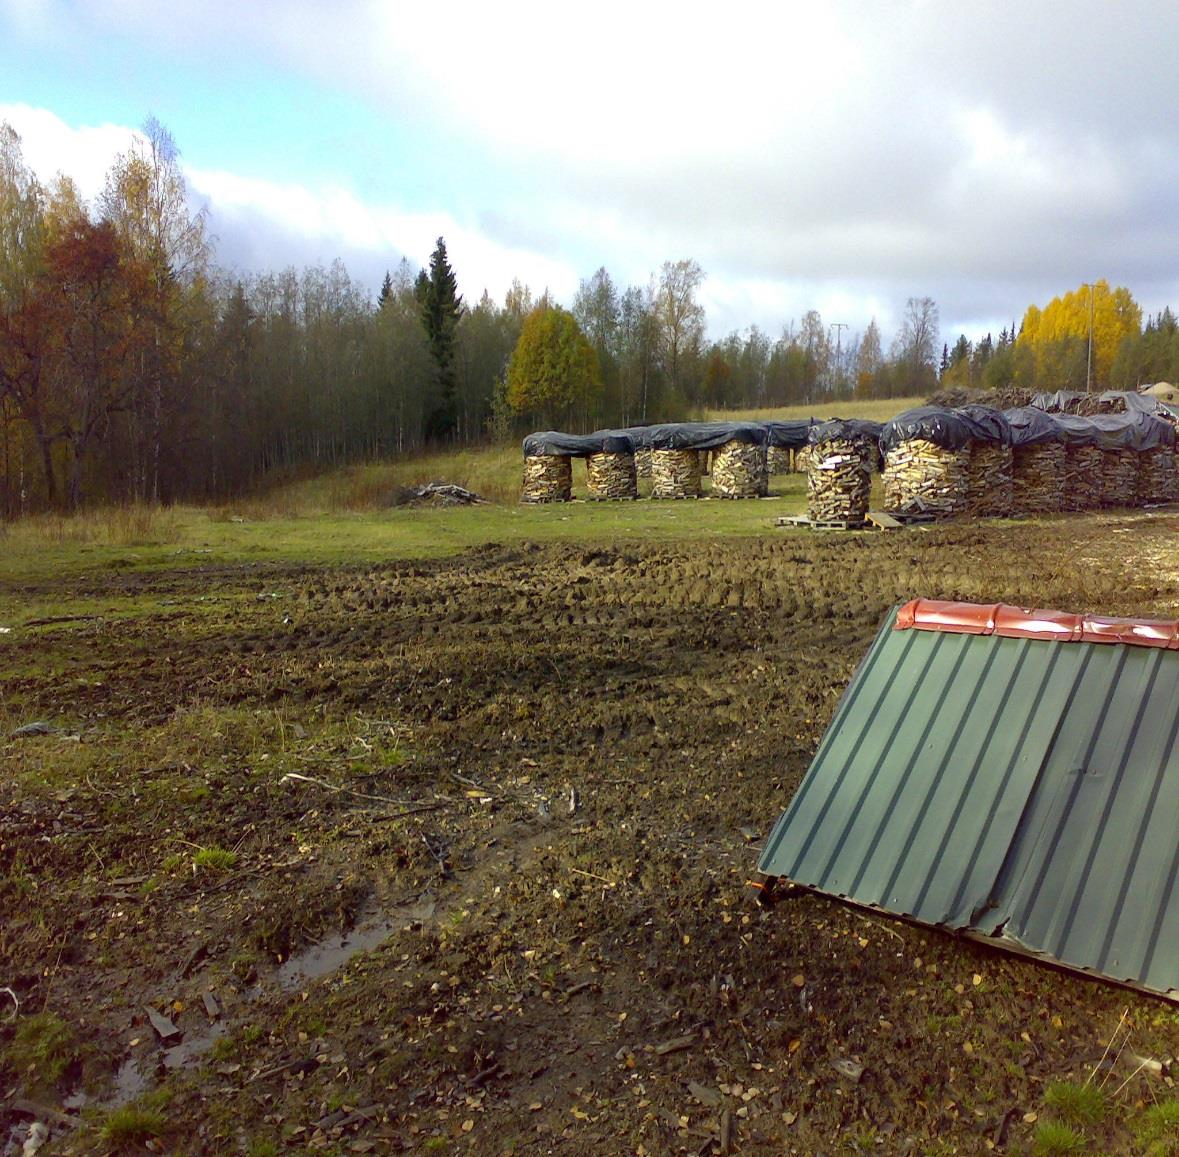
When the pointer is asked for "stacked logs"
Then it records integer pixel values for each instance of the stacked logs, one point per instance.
(1082, 477)
(739, 470)
(922, 477)
(642, 463)
(778, 460)
(610, 475)
(1118, 477)
(547, 478)
(989, 479)
(675, 473)
(802, 461)
(1038, 478)
(1157, 481)
(839, 479)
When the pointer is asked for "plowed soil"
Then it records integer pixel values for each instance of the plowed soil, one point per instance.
(453, 857)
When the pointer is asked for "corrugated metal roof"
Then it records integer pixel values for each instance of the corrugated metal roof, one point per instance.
(1006, 785)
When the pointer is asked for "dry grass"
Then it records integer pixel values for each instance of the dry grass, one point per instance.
(878, 410)
(137, 524)
(493, 472)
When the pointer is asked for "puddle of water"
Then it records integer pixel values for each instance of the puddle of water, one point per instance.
(132, 1082)
(334, 951)
(192, 1047)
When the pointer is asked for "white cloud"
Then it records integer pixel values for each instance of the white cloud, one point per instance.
(838, 156)
(50, 146)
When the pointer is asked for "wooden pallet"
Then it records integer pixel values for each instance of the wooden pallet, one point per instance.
(821, 524)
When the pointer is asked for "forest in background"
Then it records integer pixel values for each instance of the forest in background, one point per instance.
(133, 368)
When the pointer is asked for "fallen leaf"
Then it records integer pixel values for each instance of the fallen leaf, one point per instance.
(798, 980)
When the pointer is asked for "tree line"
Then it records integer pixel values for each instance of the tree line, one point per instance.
(133, 368)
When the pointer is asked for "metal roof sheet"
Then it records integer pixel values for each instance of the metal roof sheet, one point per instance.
(1008, 785)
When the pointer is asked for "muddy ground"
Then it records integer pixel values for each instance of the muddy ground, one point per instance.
(453, 858)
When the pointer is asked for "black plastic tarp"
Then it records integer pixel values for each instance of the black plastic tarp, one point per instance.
(1134, 402)
(788, 435)
(1056, 402)
(553, 442)
(1031, 427)
(699, 435)
(949, 429)
(844, 429)
(1135, 431)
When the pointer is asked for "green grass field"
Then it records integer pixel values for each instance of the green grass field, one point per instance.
(348, 515)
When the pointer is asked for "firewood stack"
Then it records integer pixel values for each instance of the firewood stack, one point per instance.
(1156, 475)
(547, 478)
(675, 473)
(1082, 477)
(778, 460)
(839, 479)
(610, 475)
(802, 460)
(739, 470)
(1119, 477)
(922, 477)
(989, 485)
(1157, 481)
(642, 463)
(1038, 474)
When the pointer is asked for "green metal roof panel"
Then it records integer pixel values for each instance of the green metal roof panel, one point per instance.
(1012, 786)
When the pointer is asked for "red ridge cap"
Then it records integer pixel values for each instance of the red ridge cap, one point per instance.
(1020, 623)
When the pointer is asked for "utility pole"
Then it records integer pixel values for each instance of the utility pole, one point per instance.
(1089, 357)
(839, 327)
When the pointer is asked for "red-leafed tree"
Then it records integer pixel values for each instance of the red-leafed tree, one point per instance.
(93, 290)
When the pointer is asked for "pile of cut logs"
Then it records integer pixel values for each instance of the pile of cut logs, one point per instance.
(1037, 478)
(1119, 477)
(547, 478)
(988, 487)
(921, 477)
(642, 463)
(802, 458)
(675, 473)
(778, 460)
(611, 476)
(1082, 477)
(1157, 481)
(739, 471)
(839, 480)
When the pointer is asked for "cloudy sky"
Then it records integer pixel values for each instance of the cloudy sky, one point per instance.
(834, 155)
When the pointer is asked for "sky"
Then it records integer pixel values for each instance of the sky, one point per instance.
(839, 156)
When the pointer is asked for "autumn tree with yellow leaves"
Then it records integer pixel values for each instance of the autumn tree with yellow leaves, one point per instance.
(1058, 335)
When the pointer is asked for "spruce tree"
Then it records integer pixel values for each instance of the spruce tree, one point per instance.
(386, 290)
(441, 306)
